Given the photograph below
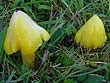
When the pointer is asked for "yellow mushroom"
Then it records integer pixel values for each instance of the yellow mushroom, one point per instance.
(92, 34)
(24, 35)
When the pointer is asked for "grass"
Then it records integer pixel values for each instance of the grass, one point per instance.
(59, 60)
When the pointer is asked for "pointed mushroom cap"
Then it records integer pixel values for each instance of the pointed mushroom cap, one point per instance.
(24, 35)
(92, 33)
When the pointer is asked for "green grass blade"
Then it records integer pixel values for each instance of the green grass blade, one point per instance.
(10, 77)
(2, 38)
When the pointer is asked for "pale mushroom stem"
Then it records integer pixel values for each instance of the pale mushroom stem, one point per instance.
(29, 60)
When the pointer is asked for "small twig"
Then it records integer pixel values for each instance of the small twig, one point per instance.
(100, 62)
(43, 61)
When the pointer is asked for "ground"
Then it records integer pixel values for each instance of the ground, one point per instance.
(60, 60)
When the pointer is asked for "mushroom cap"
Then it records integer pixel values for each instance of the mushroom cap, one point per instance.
(24, 35)
(91, 34)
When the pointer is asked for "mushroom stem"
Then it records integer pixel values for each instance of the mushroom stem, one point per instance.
(29, 60)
